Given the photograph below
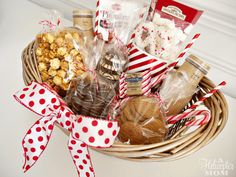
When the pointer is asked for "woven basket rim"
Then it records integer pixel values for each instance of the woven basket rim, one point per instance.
(178, 147)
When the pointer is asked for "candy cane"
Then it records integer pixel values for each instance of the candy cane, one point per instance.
(97, 18)
(186, 49)
(176, 118)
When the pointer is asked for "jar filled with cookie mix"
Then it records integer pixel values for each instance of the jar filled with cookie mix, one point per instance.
(181, 84)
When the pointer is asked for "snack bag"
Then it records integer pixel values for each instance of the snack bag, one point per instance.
(90, 94)
(60, 54)
(119, 17)
(141, 120)
(169, 28)
(112, 61)
(183, 16)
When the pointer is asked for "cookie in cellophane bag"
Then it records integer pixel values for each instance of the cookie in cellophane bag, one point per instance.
(60, 53)
(141, 120)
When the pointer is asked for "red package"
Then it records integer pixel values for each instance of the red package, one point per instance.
(183, 16)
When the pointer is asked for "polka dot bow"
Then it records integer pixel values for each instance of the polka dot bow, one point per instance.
(85, 131)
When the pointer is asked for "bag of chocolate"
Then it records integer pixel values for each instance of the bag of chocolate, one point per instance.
(91, 94)
(119, 17)
(60, 53)
(112, 61)
(141, 120)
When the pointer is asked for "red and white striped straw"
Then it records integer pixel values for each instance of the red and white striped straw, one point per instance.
(176, 118)
(186, 49)
(222, 84)
(96, 20)
(157, 80)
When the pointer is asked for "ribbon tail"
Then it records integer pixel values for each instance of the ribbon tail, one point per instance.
(36, 140)
(81, 157)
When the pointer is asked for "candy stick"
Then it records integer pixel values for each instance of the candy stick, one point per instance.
(181, 55)
(222, 84)
(96, 20)
(157, 79)
(174, 119)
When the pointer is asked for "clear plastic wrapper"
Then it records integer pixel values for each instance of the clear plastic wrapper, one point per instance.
(176, 91)
(151, 10)
(164, 35)
(141, 120)
(112, 61)
(181, 84)
(91, 94)
(120, 17)
(184, 17)
(60, 54)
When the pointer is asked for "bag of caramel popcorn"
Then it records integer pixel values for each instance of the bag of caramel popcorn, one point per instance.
(60, 54)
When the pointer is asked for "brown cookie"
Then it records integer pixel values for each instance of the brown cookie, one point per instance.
(147, 107)
(131, 132)
(155, 130)
(141, 121)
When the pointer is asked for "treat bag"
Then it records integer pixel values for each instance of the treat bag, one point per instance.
(60, 53)
(112, 61)
(120, 16)
(156, 44)
(90, 94)
(141, 120)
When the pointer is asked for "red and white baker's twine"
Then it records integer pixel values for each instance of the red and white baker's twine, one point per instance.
(84, 131)
(192, 113)
(48, 25)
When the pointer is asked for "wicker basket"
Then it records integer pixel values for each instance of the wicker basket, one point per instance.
(178, 146)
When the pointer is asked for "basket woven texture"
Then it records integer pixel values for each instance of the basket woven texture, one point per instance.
(181, 144)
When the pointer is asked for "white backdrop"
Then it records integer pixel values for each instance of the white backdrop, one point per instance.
(18, 26)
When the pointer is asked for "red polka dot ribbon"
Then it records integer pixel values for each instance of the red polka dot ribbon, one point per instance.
(85, 131)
